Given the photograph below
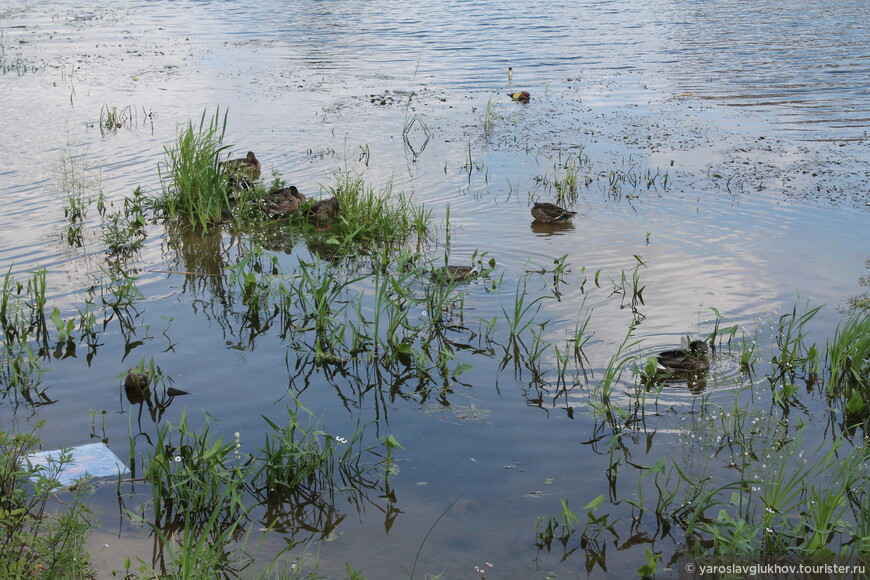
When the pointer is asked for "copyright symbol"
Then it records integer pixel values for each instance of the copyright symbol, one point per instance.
(690, 568)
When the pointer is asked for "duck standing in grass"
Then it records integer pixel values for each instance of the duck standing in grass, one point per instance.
(248, 165)
(241, 172)
(691, 358)
(283, 201)
(322, 211)
(550, 213)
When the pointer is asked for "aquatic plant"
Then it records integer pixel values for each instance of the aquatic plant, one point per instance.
(488, 115)
(521, 316)
(561, 526)
(36, 540)
(321, 289)
(24, 337)
(799, 515)
(302, 455)
(122, 239)
(194, 186)
(369, 219)
(414, 124)
(112, 118)
(201, 488)
(636, 290)
(566, 525)
(619, 362)
(792, 355)
(860, 301)
(849, 362)
(192, 476)
(194, 550)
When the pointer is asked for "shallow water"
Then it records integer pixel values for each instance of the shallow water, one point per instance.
(756, 112)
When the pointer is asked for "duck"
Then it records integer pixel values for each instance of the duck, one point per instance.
(520, 96)
(455, 273)
(550, 213)
(247, 166)
(691, 358)
(137, 379)
(322, 211)
(283, 201)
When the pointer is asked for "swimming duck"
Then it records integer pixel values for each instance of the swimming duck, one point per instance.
(550, 213)
(455, 273)
(322, 211)
(692, 357)
(247, 166)
(521, 96)
(283, 201)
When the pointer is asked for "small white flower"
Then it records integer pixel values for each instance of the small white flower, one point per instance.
(177, 458)
(341, 439)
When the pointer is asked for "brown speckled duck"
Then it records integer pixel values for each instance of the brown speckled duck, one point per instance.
(550, 213)
(283, 201)
(692, 357)
(455, 273)
(241, 174)
(322, 211)
(248, 166)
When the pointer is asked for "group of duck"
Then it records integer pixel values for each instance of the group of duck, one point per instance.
(242, 172)
(692, 358)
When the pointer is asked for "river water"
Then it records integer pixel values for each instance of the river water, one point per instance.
(756, 113)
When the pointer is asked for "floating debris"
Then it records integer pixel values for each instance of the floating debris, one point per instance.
(521, 96)
(91, 460)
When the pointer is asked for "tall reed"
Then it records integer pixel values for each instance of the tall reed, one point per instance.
(194, 187)
(849, 362)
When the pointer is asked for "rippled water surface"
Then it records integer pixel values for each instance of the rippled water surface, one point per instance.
(722, 144)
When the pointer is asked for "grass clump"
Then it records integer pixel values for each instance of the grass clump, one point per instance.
(300, 455)
(194, 186)
(813, 509)
(849, 360)
(192, 476)
(205, 492)
(374, 218)
(36, 540)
